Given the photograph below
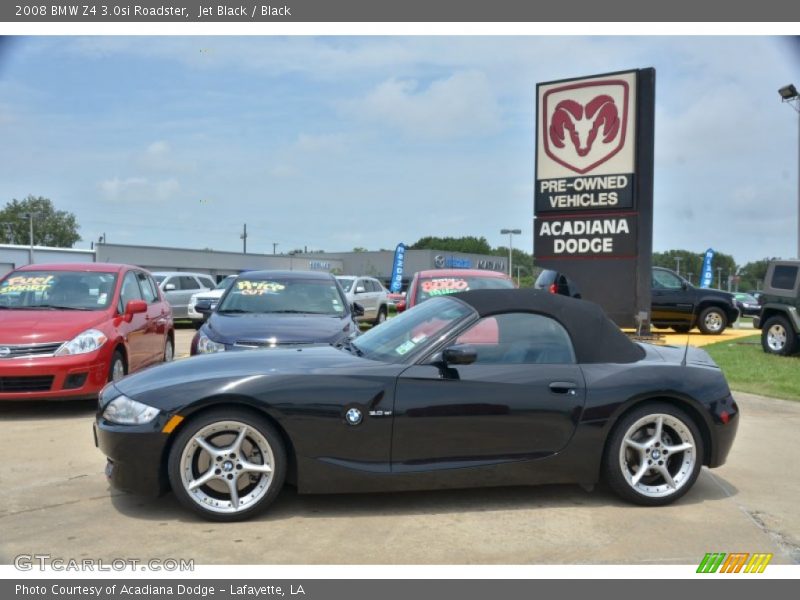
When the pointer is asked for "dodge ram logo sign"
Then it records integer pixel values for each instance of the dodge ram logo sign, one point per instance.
(585, 123)
(593, 190)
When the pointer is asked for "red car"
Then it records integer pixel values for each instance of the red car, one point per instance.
(68, 329)
(438, 282)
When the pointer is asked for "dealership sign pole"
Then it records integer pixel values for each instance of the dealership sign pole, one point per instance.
(593, 201)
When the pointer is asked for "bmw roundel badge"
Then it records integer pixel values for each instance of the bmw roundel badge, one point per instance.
(353, 416)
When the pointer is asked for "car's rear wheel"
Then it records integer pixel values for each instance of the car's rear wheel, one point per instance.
(227, 465)
(169, 350)
(117, 369)
(713, 320)
(654, 455)
(778, 337)
(381, 318)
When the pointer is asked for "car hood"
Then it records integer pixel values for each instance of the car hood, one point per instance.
(284, 328)
(234, 372)
(44, 325)
(208, 295)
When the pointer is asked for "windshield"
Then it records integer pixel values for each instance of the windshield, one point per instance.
(225, 283)
(159, 278)
(440, 286)
(746, 298)
(346, 283)
(309, 296)
(411, 331)
(68, 290)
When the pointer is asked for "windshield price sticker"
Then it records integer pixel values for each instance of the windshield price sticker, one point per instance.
(27, 284)
(440, 287)
(259, 288)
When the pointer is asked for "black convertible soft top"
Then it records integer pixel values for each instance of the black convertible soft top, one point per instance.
(596, 339)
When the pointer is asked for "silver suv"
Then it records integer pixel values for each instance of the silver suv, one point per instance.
(369, 293)
(178, 287)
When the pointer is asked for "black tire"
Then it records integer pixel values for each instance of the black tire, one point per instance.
(186, 454)
(652, 489)
(117, 365)
(169, 350)
(778, 336)
(382, 314)
(712, 320)
(681, 328)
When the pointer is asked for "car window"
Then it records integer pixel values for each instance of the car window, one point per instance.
(519, 338)
(360, 286)
(346, 283)
(188, 282)
(429, 287)
(784, 277)
(148, 293)
(207, 282)
(78, 290)
(284, 295)
(373, 285)
(130, 290)
(664, 280)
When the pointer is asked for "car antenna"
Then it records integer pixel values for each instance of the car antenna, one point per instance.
(688, 337)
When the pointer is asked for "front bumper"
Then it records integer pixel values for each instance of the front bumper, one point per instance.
(54, 377)
(136, 456)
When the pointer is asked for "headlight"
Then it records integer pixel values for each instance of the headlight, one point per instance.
(125, 411)
(206, 345)
(88, 341)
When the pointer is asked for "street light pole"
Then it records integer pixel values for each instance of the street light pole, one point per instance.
(790, 94)
(30, 217)
(719, 278)
(510, 232)
(274, 247)
(678, 260)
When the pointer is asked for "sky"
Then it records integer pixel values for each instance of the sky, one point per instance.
(333, 143)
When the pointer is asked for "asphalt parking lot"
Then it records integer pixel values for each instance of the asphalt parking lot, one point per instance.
(54, 500)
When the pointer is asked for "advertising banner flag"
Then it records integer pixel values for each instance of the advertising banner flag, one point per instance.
(397, 268)
(707, 275)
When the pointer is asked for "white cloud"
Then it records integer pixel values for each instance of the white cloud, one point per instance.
(138, 189)
(461, 105)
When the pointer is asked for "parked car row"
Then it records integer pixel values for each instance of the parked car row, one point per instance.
(675, 303)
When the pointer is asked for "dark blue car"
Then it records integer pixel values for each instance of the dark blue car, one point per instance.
(276, 308)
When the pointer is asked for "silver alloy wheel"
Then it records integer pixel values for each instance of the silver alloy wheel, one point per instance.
(227, 467)
(117, 369)
(169, 351)
(381, 317)
(657, 455)
(713, 321)
(776, 337)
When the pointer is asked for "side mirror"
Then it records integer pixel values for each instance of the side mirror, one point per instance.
(358, 310)
(135, 306)
(169, 287)
(460, 354)
(204, 307)
(360, 289)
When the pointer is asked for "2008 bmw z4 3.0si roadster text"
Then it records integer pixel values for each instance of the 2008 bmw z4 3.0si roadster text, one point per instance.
(483, 388)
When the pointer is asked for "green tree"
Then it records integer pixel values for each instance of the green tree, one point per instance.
(51, 227)
(468, 244)
(752, 274)
(691, 265)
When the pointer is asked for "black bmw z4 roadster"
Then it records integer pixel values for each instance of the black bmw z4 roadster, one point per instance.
(481, 388)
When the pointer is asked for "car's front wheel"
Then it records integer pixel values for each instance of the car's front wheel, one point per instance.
(778, 337)
(654, 455)
(227, 465)
(712, 321)
(169, 350)
(381, 316)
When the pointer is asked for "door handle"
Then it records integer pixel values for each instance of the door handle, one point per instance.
(568, 388)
